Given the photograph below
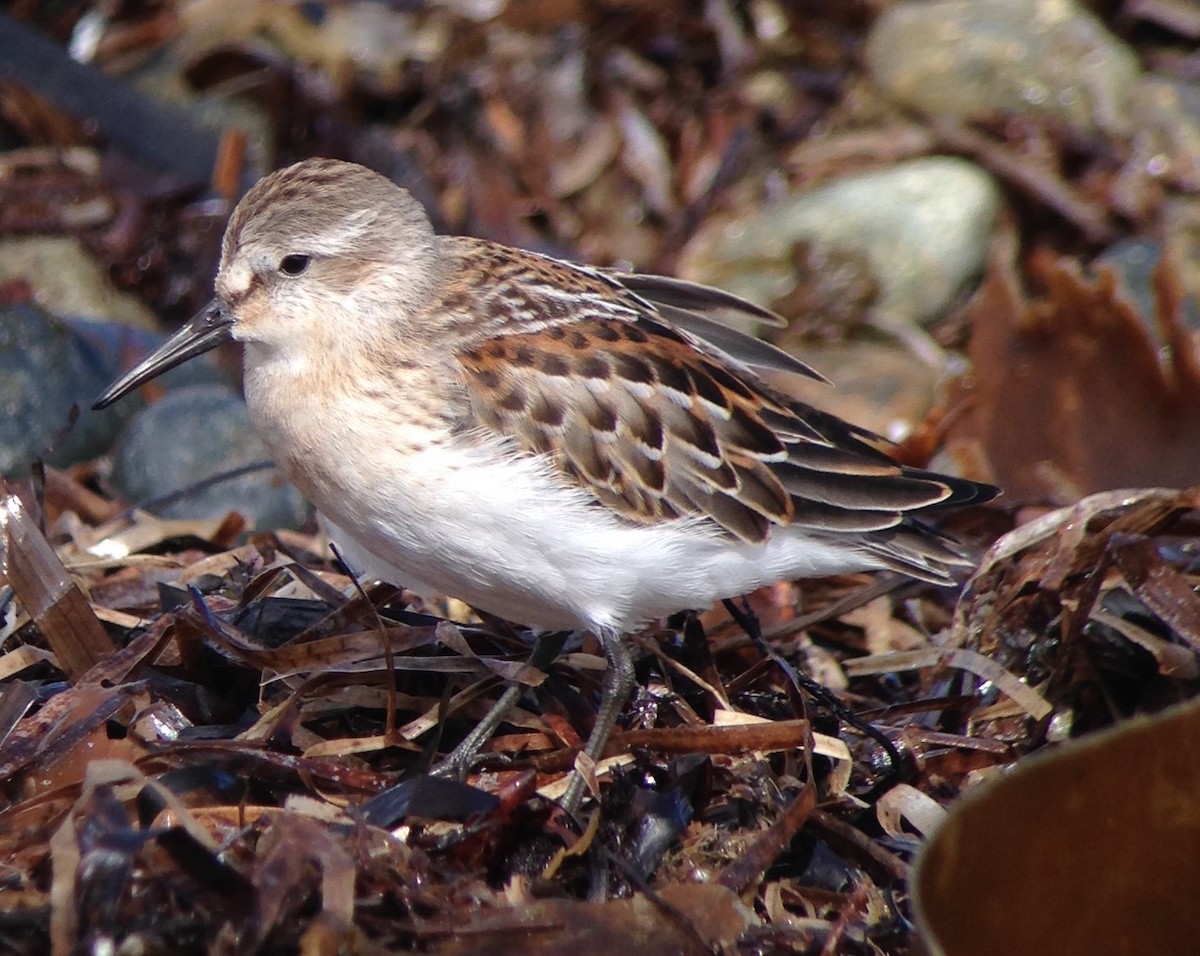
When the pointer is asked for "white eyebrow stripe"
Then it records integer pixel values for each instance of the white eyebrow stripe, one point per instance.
(349, 229)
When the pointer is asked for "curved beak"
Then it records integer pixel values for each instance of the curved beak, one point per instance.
(211, 326)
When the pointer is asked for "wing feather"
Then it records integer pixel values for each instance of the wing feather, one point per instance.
(654, 408)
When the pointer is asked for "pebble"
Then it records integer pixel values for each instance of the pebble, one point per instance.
(976, 59)
(923, 226)
(46, 366)
(192, 434)
(66, 280)
(1135, 260)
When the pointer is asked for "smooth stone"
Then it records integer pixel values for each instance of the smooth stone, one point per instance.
(66, 280)
(1135, 261)
(363, 43)
(195, 433)
(46, 366)
(922, 226)
(976, 59)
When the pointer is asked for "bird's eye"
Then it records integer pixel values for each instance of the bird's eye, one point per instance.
(294, 264)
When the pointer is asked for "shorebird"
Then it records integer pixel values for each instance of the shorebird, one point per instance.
(562, 446)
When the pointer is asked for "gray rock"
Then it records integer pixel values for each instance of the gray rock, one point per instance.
(46, 366)
(192, 434)
(1135, 260)
(976, 59)
(924, 227)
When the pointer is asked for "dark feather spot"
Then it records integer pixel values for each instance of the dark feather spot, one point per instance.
(707, 389)
(728, 381)
(551, 414)
(751, 435)
(514, 401)
(723, 476)
(649, 431)
(760, 490)
(673, 376)
(488, 378)
(556, 333)
(523, 357)
(554, 365)
(607, 332)
(601, 417)
(577, 340)
(584, 459)
(595, 367)
(633, 369)
(698, 434)
(633, 334)
(651, 473)
(539, 442)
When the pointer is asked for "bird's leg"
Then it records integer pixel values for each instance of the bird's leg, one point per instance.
(546, 647)
(614, 692)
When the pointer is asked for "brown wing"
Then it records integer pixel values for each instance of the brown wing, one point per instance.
(659, 422)
(649, 425)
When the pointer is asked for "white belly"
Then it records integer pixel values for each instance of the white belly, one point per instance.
(504, 534)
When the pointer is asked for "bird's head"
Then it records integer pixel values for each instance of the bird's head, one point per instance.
(319, 257)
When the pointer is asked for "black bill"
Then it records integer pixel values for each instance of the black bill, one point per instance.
(211, 326)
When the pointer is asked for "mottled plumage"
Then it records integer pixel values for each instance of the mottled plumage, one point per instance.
(659, 424)
(564, 446)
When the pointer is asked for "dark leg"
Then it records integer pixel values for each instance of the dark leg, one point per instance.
(458, 762)
(614, 692)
